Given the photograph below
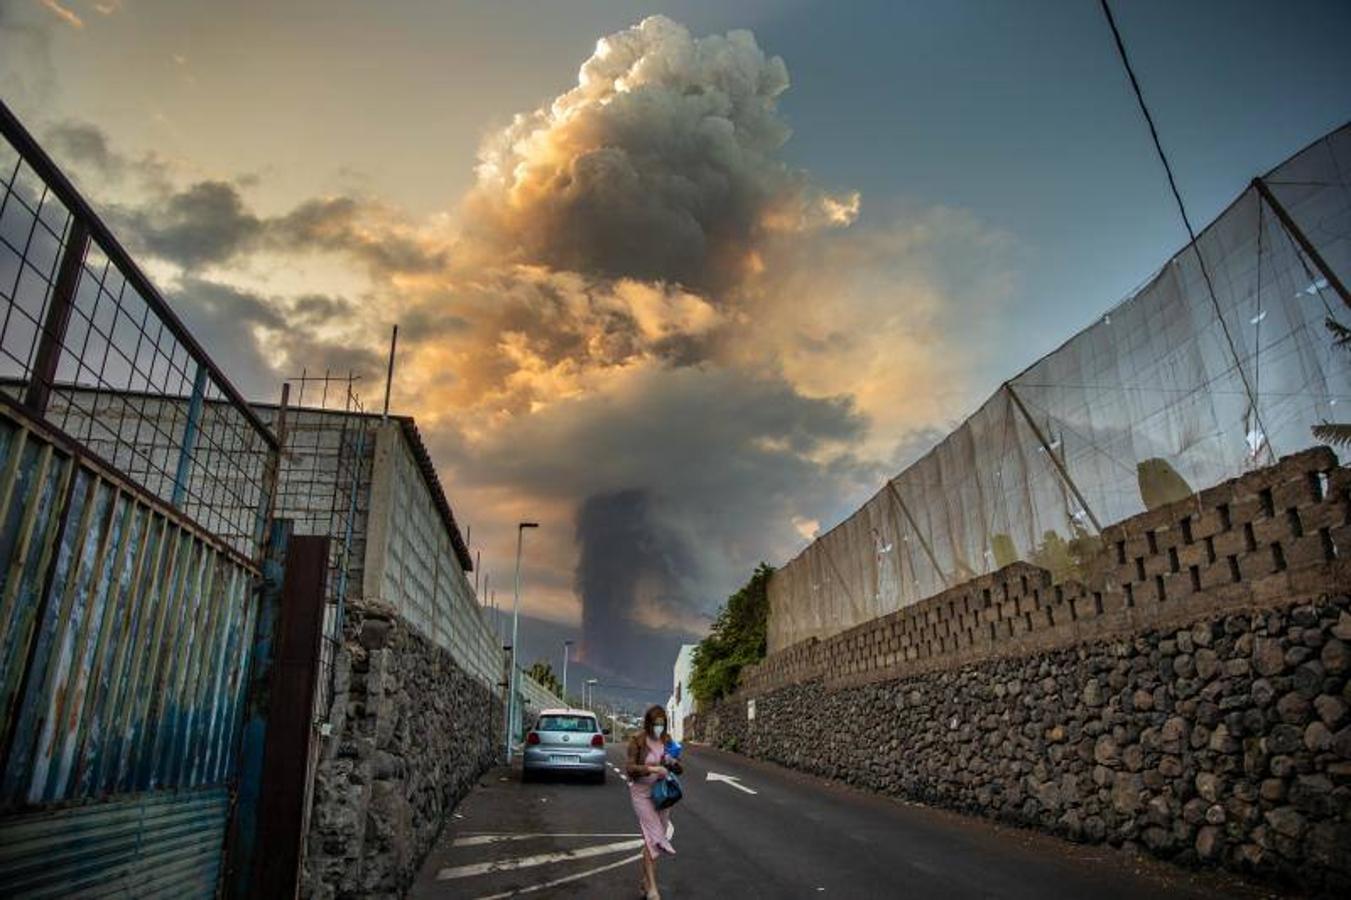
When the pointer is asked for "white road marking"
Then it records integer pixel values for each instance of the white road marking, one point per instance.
(729, 779)
(477, 840)
(540, 859)
(557, 881)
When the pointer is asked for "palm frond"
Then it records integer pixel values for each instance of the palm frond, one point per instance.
(1333, 433)
(1341, 335)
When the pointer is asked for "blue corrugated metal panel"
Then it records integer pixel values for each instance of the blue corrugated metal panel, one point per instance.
(124, 633)
(161, 844)
(32, 483)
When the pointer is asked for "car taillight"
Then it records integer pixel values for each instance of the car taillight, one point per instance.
(532, 738)
(597, 740)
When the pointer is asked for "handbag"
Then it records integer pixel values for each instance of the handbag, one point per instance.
(666, 792)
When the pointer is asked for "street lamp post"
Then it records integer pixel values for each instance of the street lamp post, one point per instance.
(566, 645)
(515, 626)
(590, 683)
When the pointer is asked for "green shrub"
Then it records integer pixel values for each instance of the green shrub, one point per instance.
(737, 639)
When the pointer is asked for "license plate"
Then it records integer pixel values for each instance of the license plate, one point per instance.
(565, 760)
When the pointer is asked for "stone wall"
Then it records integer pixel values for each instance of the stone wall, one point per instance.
(1191, 699)
(411, 732)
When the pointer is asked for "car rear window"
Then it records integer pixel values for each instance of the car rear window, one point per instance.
(566, 723)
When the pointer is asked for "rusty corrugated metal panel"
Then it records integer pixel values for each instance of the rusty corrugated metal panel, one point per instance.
(124, 634)
(165, 843)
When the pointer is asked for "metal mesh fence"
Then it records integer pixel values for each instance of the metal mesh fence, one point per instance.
(328, 447)
(1171, 391)
(88, 344)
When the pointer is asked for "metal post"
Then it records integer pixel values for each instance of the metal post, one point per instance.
(1294, 231)
(515, 629)
(566, 645)
(341, 611)
(190, 429)
(1055, 460)
(272, 473)
(389, 374)
(914, 526)
(478, 566)
(53, 333)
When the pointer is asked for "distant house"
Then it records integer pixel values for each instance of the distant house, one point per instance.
(681, 702)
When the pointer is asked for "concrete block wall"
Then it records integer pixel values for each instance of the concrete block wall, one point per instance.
(1264, 537)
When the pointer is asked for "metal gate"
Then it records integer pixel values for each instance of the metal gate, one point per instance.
(134, 494)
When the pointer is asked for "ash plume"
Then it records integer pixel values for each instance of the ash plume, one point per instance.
(629, 565)
(660, 165)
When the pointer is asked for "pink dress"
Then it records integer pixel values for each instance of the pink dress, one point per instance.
(654, 822)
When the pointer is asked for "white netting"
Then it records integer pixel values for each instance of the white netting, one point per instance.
(1169, 392)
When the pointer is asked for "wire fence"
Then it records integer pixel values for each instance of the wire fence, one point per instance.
(1169, 392)
(89, 346)
(328, 447)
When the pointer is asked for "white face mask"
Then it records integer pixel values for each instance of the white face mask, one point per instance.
(658, 729)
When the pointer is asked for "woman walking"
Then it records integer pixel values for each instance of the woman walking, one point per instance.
(648, 763)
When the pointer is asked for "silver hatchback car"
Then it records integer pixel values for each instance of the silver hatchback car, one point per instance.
(565, 740)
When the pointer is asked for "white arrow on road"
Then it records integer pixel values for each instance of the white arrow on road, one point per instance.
(729, 779)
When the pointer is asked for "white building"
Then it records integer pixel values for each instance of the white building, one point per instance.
(681, 702)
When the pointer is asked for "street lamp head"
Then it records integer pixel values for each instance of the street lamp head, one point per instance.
(527, 525)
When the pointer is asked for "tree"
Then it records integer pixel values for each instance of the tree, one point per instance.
(543, 673)
(1338, 433)
(737, 639)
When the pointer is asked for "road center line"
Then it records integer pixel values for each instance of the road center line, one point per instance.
(478, 840)
(539, 859)
(557, 881)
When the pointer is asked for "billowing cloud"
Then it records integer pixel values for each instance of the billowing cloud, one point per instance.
(641, 326)
(660, 165)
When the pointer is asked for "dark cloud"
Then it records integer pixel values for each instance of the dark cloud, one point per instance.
(341, 225)
(225, 320)
(210, 222)
(84, 145)
(311, 309)
(627, 559)
(239, 326)
(721, 463)
(206, 223)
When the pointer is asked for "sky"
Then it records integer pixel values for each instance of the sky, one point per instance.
(681, 281)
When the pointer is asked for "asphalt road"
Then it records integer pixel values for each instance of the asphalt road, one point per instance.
(795, 836)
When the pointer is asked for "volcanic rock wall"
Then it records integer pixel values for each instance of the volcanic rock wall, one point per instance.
(1191, 700)
(411, 733)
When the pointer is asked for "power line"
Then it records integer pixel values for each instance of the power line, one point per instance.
(1186, 220)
